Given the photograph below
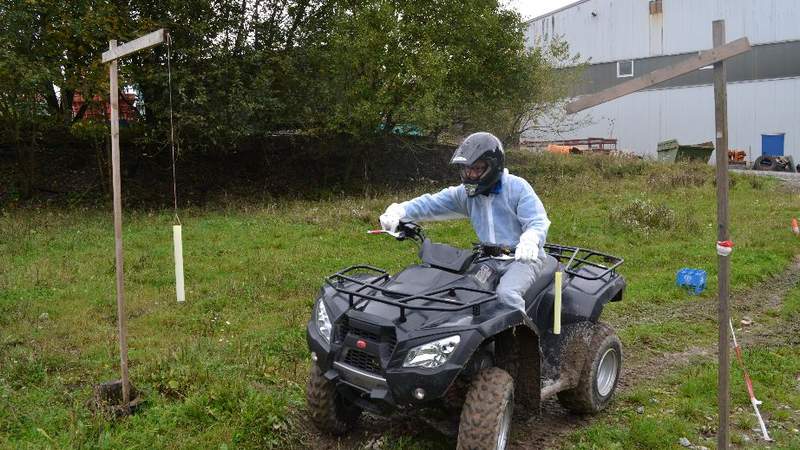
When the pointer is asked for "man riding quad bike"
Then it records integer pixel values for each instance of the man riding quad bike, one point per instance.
(503, 209)
(469, 330)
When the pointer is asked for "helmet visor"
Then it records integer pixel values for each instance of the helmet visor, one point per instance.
(474, 172)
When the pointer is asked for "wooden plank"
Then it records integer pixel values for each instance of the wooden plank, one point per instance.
(690, 64)
(122, 324)
(723, 276)
(146, 41)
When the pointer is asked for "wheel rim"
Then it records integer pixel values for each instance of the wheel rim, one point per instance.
(607, 372)
(505, 425)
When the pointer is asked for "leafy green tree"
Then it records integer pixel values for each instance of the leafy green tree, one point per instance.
(441, 65)
(49, 50)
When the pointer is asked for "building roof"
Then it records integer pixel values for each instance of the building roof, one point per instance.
(556, 11)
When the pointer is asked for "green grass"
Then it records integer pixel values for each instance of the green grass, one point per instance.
(791, 305)
(228, 367)
(684, 404)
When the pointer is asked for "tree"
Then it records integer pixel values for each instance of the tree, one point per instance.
(251, 68)
(443, 65)
(49, 50)
(537, 87)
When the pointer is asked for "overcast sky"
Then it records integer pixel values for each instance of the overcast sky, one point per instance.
(533, 8)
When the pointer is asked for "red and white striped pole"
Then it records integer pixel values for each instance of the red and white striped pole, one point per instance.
(749, 384)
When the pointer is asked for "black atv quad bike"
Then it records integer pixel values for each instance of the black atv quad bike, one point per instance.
(436, 335)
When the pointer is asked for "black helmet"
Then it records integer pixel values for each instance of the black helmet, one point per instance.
(479, 147)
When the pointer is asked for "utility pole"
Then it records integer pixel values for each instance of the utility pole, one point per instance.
(724, 261)
(112, 55)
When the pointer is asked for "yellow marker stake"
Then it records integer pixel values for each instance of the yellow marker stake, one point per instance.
(178, 244)
(557, 305)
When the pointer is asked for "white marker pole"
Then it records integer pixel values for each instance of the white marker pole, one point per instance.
(557, 305)
(177, 240)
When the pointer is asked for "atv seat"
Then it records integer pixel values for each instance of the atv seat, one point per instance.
(446, 257)
(544, 278)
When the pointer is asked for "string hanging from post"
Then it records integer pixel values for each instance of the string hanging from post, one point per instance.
(172, 129)
(177, 235)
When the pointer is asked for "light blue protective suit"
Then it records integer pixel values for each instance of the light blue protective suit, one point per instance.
(501, 217)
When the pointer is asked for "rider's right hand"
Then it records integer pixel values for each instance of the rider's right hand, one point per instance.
(390, 219)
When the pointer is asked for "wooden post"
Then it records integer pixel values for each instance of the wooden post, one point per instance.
(721, 122)
(115, 52)
(717, 55)
(117, 186)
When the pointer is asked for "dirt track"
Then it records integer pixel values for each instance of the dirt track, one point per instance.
(555, 423)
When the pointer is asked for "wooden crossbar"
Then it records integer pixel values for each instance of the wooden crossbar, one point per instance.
(690, 64)
(146, 41)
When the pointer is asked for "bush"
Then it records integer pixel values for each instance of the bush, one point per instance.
(667, 177)
(644, 215)
(534, 165)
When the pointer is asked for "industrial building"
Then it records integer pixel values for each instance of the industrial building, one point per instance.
(621, 39)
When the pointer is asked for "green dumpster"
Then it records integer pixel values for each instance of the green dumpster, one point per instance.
(671, 151)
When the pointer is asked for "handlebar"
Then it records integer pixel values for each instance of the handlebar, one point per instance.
(394, 235)
(406, 230)
(411, 230)
(493, 250)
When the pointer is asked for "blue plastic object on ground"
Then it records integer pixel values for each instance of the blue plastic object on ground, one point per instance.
(772, 144)
(694, 280)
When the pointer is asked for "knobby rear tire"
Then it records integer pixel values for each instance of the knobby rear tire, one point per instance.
(586, 397)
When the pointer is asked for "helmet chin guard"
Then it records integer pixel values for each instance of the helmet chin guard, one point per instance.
(484, 147)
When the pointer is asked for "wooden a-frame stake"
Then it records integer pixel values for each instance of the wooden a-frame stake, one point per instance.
(112, 55)
(717, 56)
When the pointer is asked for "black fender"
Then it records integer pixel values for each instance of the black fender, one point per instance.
(517, 350)
(585, 299)
(581, 300)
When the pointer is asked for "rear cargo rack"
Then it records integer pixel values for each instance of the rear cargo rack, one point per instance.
(336, 281)
(578, 258)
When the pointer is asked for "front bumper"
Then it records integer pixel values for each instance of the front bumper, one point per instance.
(394, 387)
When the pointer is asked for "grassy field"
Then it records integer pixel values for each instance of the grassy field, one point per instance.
(683, 404)
(227, 369)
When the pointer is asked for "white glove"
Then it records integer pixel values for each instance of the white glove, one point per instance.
(390, 219)
(528, 248)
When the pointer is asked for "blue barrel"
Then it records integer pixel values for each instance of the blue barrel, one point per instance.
(772, 144)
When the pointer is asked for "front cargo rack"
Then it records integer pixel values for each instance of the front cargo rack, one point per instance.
(336, 281)
(578, 258)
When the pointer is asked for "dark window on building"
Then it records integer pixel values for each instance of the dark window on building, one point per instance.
(624, 69)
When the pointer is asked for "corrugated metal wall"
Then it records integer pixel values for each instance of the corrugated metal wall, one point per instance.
(640, 120)
(765, 61)
(624, 29)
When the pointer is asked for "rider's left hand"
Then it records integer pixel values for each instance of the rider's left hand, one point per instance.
(528, 249)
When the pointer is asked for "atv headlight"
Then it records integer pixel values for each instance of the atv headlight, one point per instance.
(433, 354)
(323, 321)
